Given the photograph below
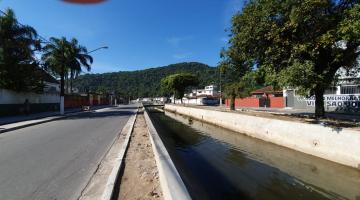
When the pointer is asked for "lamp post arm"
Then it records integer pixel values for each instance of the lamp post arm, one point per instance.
(105, 47)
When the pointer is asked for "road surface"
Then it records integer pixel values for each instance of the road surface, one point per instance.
(55, 160)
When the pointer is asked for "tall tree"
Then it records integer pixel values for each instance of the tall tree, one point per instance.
(177, 83)
(18, 66)
(61, 56)
(80, 59)
(298, 43)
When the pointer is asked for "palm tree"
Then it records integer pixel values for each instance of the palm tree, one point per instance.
(80, 59)
(61, 56)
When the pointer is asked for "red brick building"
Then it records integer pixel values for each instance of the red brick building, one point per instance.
(263, 97)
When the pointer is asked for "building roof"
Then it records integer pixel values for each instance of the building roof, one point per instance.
(46, 76)
(266, 90)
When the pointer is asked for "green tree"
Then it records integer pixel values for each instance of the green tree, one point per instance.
(19, 70)
(177, 83)
(298, 43)
(241, 88)
(61, 56)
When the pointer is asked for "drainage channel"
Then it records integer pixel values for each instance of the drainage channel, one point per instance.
(216, 163)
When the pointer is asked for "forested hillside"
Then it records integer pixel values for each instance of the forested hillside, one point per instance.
(143, 83)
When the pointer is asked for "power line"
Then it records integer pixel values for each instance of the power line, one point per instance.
(44, 40)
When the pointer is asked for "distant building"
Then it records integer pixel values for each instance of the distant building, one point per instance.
(207, 96)
(208, 91)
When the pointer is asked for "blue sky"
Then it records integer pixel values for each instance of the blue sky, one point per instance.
(140, 33)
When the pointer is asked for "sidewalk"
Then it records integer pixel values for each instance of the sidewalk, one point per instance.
(20, 118)
(17, 122)
(335, 120)
(284, 111)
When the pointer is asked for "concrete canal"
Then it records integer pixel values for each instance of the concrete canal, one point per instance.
(216, 163)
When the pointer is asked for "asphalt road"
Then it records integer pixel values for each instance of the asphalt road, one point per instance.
(55, 160)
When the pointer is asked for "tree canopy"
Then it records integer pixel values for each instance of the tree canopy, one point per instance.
(18, 66)
(297, 43)
(176, 84)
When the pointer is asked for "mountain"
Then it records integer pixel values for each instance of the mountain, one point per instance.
(143, 83)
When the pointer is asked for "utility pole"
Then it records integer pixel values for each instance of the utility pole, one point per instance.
(220, 87)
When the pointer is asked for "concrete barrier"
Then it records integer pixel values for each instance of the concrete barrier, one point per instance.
(172, 186)
(103, 182)
(334, 144)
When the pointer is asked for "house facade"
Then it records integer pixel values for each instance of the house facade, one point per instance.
(13, 103)
(209, 95)
(344, 96)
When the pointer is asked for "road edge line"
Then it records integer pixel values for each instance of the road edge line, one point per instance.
(114, 175)
(172, 185)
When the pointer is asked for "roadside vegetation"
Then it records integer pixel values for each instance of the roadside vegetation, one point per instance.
(21, 70)
(299, 44)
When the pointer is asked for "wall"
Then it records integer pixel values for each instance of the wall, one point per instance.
(276, 102)
(245, 102)
(343, 103)
(72, 101)
(198, 101)
(273, 102)
(12, 103)
(337, 145)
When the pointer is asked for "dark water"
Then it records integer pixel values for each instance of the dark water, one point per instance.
(216, 163)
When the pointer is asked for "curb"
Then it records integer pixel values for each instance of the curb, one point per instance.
(109, 188)
(171, 183)
(38, 121)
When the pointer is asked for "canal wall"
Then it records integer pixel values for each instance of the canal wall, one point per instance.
(316, 172)
(334, 144)
(172, 186)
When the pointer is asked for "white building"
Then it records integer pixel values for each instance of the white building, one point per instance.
(207, 96)
(343, 96)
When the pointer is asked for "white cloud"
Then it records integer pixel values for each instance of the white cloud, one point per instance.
(181, 56)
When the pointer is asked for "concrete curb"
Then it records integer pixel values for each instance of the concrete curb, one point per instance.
(109, 188)
(33, 122)
(171, 183)
(28, 123)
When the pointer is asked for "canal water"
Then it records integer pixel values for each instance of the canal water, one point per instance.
(216, 163)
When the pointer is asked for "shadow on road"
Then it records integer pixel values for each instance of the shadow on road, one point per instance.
(125, 108)
(93, 114)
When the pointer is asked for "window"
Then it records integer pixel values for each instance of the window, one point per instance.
(350, 89)
(331, 90)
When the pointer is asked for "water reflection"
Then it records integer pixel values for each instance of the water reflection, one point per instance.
(219, 164)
